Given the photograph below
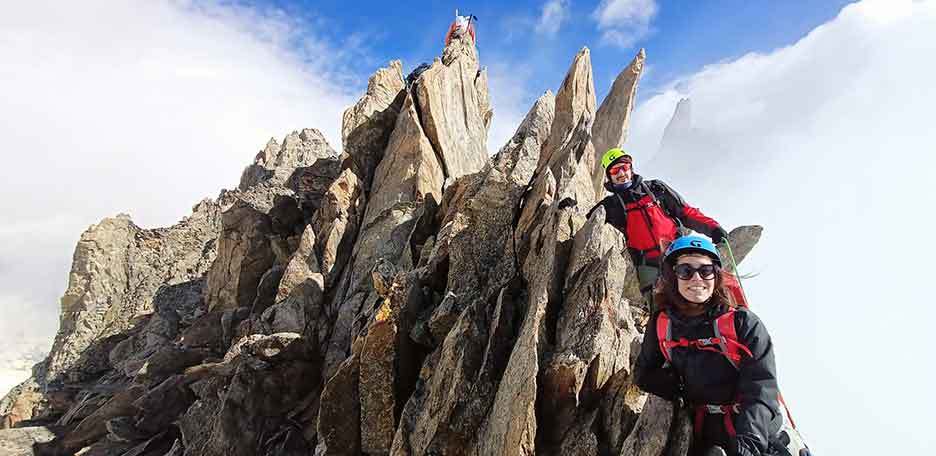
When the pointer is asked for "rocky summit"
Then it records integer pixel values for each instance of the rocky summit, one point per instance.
(411, 296)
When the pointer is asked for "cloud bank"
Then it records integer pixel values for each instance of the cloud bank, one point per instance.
(553, 14)
(143, 107)
(623, 22)
(828, 144)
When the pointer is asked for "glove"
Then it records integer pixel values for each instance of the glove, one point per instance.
(742, 450)
(719, 235)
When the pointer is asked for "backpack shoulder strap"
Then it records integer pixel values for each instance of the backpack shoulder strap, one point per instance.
(727, 335)
(664, 332)
(621, 200)
(653, 187)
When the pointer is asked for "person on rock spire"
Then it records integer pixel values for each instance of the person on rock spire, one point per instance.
(701, 351)
(461, 26)
(650, 214)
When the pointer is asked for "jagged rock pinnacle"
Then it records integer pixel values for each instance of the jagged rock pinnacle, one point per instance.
(613, 115)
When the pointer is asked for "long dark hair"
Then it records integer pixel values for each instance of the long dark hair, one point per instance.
(666, 295)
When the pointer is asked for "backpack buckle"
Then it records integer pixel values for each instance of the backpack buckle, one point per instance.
(722, 409)
(707, 341)
(713, 409)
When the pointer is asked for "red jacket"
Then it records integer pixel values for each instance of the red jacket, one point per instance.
(451, 31)
(649, 214)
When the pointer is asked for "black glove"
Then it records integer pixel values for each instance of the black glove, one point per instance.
(719, 235)
(742, 450)
(715, 451)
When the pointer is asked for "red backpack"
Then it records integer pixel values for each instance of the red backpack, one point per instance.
(726, 343)
(733, 287)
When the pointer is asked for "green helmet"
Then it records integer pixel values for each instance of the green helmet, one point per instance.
(611, 156)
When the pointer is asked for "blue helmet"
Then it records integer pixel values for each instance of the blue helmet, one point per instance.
(691, 244)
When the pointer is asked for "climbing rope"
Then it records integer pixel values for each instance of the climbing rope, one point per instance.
(734, 266)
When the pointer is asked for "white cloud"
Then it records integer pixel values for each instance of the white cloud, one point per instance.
(552, 17)
(507, 82)
(143, 107)
(624, 22)
(827, 143)
(22, 348)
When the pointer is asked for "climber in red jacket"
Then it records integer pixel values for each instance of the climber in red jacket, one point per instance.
(650, 214)
(461, 26)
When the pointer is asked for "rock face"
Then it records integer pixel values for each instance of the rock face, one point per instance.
(613, 115)
(429, 146)
(575, 106)
(20, 442)
(679, 140)
(680, 124)
(411, 296)
(116, 271)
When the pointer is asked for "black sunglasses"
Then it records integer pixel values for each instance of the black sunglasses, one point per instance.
(685, 271)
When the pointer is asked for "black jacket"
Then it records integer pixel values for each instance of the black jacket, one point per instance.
(704, 377)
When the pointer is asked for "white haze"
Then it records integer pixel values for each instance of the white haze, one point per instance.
(143, 107)
(829, 144)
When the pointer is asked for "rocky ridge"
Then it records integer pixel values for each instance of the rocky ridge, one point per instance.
(410, 296)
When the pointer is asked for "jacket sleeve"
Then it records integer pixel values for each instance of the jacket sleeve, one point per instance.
(448, 35)
(691, 217)
(612, 216)
(592, 210)
(757, 387)
(649, 373)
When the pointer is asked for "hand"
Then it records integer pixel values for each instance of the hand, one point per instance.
(743, 450)
(719, 235)
(715, 451)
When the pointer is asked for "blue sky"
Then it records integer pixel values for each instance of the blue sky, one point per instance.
(681, 36)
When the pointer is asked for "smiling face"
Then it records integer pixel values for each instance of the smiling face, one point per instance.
(695, 289)
(622, 171)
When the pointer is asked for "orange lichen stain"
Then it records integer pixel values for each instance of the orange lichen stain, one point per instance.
(384, 313)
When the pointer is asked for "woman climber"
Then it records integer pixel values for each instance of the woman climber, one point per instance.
(717, 359)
